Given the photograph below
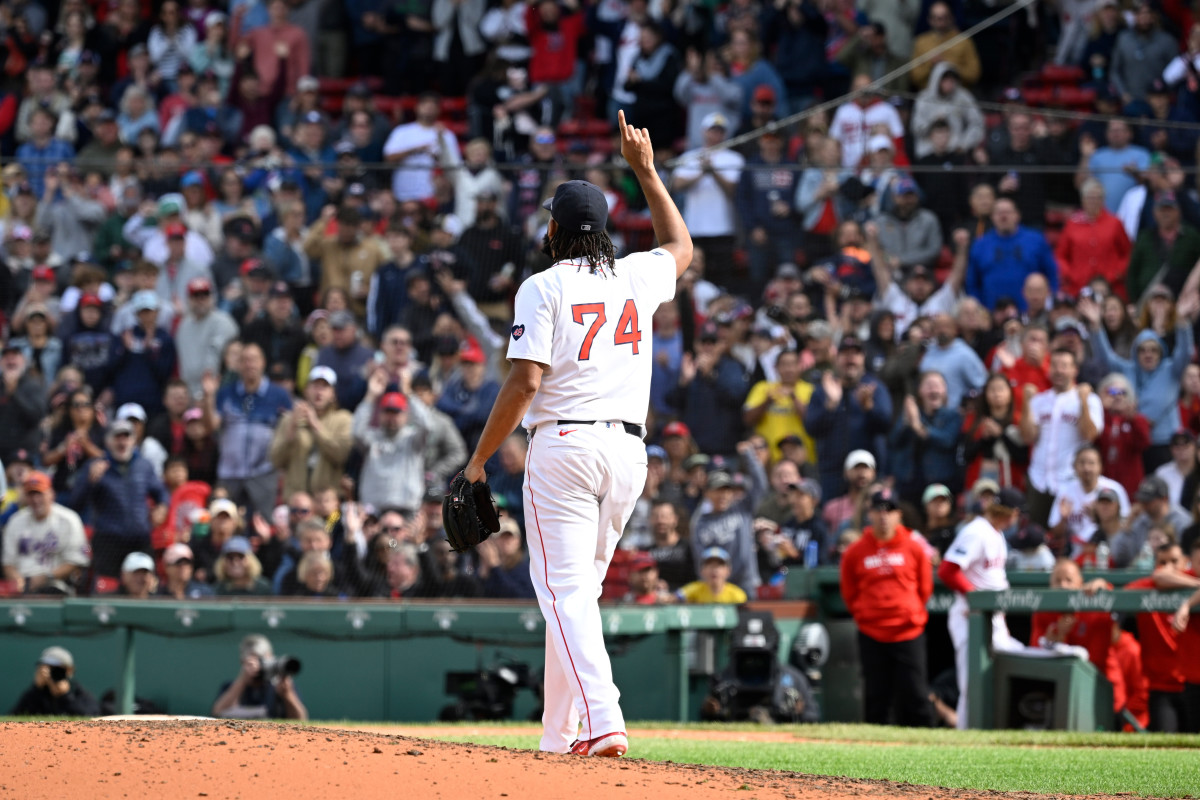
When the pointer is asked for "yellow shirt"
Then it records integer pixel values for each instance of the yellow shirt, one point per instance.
(781, 418)
(698, 592)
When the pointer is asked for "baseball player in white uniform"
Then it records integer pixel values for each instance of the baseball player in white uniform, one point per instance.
(976, 561)
(580, 385)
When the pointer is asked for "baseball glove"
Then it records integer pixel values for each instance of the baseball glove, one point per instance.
(469, 513)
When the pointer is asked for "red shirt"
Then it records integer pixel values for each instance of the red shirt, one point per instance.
(1128, 654)
(553, 59)
(1121, 442)
(1160, 646)
(1189, 415)
(1089, 249)
(1093, 630)
(1022, 372)
(886, 586)
(1189, 645)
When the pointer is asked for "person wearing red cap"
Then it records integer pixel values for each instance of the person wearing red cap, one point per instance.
(468, 395)
(45, 549)
(393, 469)
(645, 587)
(202, 334)
(177, 271)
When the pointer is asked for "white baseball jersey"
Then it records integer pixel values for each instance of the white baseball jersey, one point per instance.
(981, 552)
(1080, 524)
(593, 332)
(1052, 461)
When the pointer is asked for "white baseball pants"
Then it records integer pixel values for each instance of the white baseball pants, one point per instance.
(581, 484)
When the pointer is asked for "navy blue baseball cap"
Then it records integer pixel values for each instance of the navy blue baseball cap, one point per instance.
(579, 207)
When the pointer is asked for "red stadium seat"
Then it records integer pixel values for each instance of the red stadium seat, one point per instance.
(339, 86)
(1056, 217)
(1058, 75)
(1076, 97)
(106, 585)
(454, 106)
(1039, 96)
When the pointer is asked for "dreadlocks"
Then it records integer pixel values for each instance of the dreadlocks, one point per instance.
(595, 248)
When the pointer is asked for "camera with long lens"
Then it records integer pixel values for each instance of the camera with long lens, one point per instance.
(280, 667)
(485, 693)
(58, 674)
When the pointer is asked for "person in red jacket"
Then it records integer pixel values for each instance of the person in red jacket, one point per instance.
(1092, 630)
(1160, 648)
(1126, 652)
(886, 580)
(1187, 626)
(1093, 244)
(553, 39)
(1125, 435)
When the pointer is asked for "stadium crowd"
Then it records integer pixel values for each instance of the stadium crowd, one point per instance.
(254, 319)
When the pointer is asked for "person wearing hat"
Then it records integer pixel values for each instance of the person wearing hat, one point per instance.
(1072, 520)
(1157, 511)
(710, 391)
(908, 234)
(139, 580)
(55, 692)
(43, 350)
(805, 538)
(347, 356)
(976, 561)
(727, 520)
(858, 473)
(150, 449)
(202, 334)
(277, 329)
(22, 403)
(348, 259)
(645, 587)
(707, 183)
(238, 571)
(469, 393)
(1173, 240)
(149, 232)
(849, 410)
(1153, 371)
(941, 521)
(393, 468)
(886, 580)
(179, 566)
(855, 121)
(766, 193)
(251, 694)
(313, 441)
(714, 585)
(123, 498)
(45, 550)
(143, 278)
(145, 358)
(69, 210)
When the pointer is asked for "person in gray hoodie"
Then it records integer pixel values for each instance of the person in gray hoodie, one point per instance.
(1140, 55)
(908, 234)
(724, 521)
(69, 212)
(393, 468)
(945, 98)
(703, 88)
(1154, 374)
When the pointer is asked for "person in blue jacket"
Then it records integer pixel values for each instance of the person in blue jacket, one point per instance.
(924, 441)
(144, 358)
(1005, 256)
(1154, 374)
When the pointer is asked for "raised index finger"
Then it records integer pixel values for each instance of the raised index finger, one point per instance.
(621, 122)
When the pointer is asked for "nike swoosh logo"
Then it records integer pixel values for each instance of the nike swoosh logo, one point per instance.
(564, 433)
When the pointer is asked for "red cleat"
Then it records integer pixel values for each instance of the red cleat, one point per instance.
(610, 745)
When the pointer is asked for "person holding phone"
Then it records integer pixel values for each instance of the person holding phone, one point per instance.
(54, 692)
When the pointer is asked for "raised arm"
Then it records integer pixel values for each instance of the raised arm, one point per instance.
(671, 232)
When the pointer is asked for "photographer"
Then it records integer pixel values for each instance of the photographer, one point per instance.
(54, 693)
(263, 689)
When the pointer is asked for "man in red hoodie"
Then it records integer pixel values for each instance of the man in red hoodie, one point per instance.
(1187, 626)
(1160, 646)
(886, 580)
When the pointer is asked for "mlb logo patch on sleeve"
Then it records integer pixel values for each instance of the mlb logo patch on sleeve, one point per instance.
(518, 331)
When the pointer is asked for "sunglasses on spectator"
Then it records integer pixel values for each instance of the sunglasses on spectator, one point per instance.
(298, 510)
(1114, 392)
(122, 435)
(181, 562)
(81, 404)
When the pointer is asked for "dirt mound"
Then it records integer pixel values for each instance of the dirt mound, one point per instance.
(261, 761)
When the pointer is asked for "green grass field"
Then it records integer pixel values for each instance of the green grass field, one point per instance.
(1045, 762)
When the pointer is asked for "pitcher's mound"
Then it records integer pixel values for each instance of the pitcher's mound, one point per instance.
(176, 758)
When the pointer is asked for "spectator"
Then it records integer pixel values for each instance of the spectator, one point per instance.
(1022, 153)
(1117, 166)
(775, 409)
(708, 181)
(468, 396)
(554, 38)
(42, 350)
(1126, 433)
(651, 80)
(849, 410)
(992, 444)
(712, 387)
(945, 98)
(749, 70)
(504, 565)
(55, 692)
(703, 88)
(669, 549)
(959, 366)
(1157, 511)
(122, 499)
(1093, 244)
(22, 404)
(77, 438)
(246, 413)
(818, 198)
(405, 576)
(924, 441)
(278, 332)
(727, 522)
(265, 45)
(42, 151)
(1072, 520)
(714, 585)
(1163, 254)
(257, 693)
(149, 449)
(45, 550)
(1056, 423)
(1140, 55)
(764, 200)
(69, 210)
(144, 358)
(315, 573)
(908, 234)
(171, 41)
(962, 55)
(312, 441)
(348, 260)
(1181, 466)
(645, 586)
(798, 31)
(1004, 257)
(944, 188)
(180, 584)
(1156, 373)
(805, 536)
(202, 335)
(138, 578)
(867, 53)
(914, 294)
(857, 121)
(886, 580)
(238, 571)
(224, 521)
(393, 470)
(417, 148)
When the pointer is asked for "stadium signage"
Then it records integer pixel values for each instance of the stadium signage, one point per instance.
(1026, 600)
(1101, 601)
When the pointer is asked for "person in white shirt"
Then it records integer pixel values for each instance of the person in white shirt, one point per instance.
(916, 293)
(45, 549)
(417, 148)
(858, 120)
(708, 181)
(580, 384)
(1182, 464)
(1071, 515)
(1056, 424)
